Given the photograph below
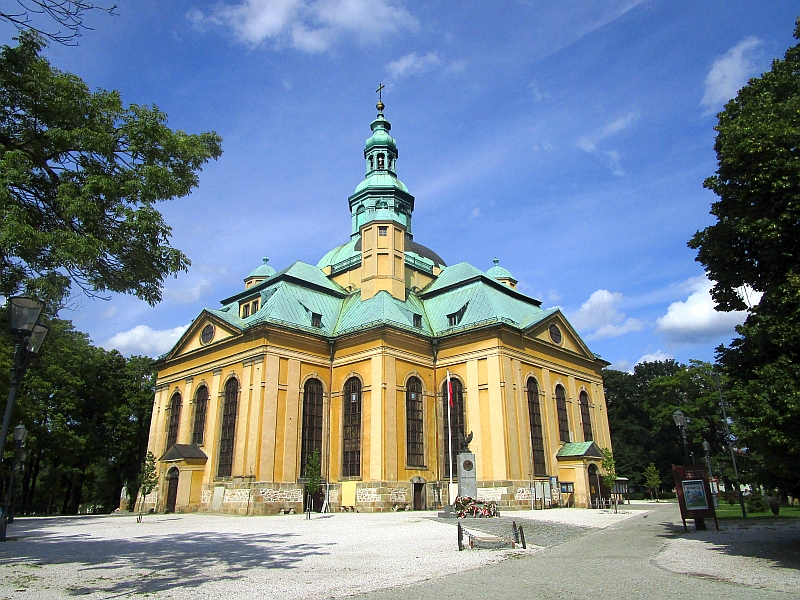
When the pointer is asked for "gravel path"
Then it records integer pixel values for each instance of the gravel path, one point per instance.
(207, 556)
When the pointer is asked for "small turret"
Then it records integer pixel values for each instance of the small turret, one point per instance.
(502, 275)
(259, 274)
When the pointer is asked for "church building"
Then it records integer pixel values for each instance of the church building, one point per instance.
(347, 361)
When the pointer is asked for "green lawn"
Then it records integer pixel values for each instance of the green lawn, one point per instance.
(727, 511)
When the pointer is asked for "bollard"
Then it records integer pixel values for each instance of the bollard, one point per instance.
(515, 531)
(460, 538)
(522, 538)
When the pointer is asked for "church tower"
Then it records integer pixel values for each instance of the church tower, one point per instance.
(381, 210)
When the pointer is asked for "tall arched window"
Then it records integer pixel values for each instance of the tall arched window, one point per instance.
(537, 436)
(312, 421)
(457, 420)
(586, 420)
(174, 420)
(415, 447)
(351, 435)
(561, 406)
(200, 408)
(228, 433)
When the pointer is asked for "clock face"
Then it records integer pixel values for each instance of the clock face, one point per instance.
(207, 334)
(555, 334)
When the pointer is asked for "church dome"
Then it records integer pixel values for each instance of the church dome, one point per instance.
(381, 179)
(380, 137)
(499, 272)
(263, 270)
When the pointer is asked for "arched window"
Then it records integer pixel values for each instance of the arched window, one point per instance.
(415, 448)
(537, 436)
(380, 161)
(586, 420)
(370, 164)
(200, 408)
(174, 420)
(561, 406)
(457, 420)
(351, 436)
(312, 421)
(228, 433)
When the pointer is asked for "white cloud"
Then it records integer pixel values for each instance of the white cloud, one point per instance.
(476, 212)
(621, 365)
(695, 320)
(189, 294)
(144, 340)
(412, 64)
(307, 25)
(658, 355)
(589, 143)
(730, 72)
(599, 316)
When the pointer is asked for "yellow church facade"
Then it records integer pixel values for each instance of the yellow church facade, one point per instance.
(348, 360)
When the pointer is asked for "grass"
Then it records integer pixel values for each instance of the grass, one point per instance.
(728, 511)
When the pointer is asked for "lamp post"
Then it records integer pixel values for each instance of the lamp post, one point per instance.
(730, 444)
(20, 433)
(680, 421)
(28, 336)
(707, 450)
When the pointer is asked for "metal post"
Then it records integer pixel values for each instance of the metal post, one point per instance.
(685, 446)
(730, 445)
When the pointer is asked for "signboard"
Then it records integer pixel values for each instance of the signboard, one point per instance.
(694, 491)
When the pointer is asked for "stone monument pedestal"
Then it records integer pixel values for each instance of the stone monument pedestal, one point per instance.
(467, 477)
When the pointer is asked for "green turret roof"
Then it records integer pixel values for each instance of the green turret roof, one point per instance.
(263, 270)
(499, 272)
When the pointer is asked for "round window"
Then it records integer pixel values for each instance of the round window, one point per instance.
(207, 334)
(555, 334)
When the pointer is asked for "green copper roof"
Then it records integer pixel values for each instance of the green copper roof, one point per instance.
(381, 180)
(499, 272)
(263, 270)
(579, 449)
(340, 253)
(381, 309)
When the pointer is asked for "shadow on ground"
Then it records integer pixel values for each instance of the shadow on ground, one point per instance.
(148, 564)
(777, 540)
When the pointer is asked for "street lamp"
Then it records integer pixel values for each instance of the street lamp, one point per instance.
(20, 433)
(680, 421)
(28, 336)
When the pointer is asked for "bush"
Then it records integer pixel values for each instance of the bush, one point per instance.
(755, 503)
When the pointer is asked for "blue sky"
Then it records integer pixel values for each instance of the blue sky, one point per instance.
(568, 138)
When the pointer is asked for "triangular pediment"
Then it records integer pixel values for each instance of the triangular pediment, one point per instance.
(206, 330)
(569, 338)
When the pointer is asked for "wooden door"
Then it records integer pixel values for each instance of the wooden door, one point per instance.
(419, 496)
(172, 489)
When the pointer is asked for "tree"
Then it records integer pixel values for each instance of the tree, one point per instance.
(755, 243)
(148, 480)
(313, 476)
(80, 177)
(68, 14)
(652, 479)
(610, 473)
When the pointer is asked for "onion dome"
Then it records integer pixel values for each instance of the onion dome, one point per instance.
(502, 275)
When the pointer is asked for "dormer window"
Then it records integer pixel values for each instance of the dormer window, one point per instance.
(316, 320)
(418, 321)
(454, 319)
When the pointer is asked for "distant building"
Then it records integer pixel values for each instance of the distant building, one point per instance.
(349, 358)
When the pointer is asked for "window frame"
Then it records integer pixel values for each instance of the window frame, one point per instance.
(313, 422)
(586, 417)
(174, 423)
(415, 424)
(538, 451)
(200, 415)
(351, 428)
(227, 443)
(563, 415)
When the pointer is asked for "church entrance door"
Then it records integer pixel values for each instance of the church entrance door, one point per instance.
(419, 496)
(172, 489)
(595, 492)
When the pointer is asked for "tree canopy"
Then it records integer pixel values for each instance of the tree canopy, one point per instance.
(80, 178)
(87, 412)
(755, 242)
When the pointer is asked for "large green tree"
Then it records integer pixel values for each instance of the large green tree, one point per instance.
(80, 178)
(755, 243)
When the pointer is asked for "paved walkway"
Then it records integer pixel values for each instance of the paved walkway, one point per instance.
(639, 553)
(620, 561)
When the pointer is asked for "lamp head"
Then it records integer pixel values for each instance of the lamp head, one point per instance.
(24, 312)
(707, 447)
(37, 337)
(20, 433)
(679, 418)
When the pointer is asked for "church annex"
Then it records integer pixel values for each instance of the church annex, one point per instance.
(349, 358)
